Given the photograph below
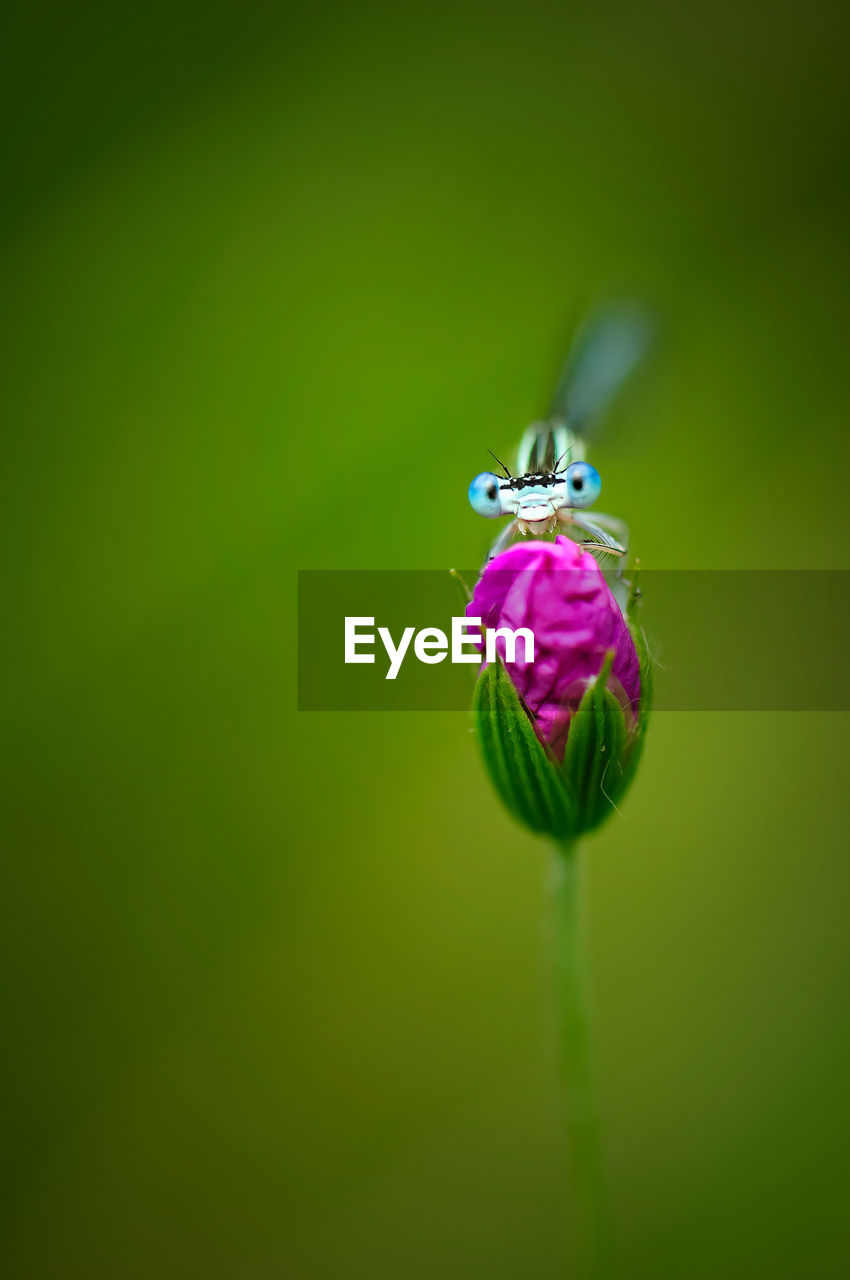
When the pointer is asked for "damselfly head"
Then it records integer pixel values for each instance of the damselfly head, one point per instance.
(532, 497)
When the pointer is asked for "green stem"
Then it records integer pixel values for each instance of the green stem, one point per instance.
(589, 1234)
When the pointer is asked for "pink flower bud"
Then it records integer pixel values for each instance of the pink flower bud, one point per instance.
(559, 593)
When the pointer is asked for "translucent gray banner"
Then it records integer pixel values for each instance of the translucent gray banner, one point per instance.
(763, 640)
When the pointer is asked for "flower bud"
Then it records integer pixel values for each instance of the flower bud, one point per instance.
(560, 734)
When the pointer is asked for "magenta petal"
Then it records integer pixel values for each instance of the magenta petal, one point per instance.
(559, 592)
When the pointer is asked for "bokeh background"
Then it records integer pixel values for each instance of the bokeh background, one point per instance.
(274, 984)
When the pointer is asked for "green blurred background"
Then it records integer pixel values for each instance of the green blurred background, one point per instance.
(275, 993)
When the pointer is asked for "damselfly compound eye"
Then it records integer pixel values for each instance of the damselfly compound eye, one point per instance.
(484, 495)
(583, 484)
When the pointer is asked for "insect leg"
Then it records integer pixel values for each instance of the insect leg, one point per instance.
(604, 545)
(503, 539)
(600, 540)
(612, 525)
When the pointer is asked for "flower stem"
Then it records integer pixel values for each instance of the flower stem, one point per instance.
(590, 1239)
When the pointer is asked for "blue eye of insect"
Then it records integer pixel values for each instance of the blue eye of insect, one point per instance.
(583, 484)
(484, 495)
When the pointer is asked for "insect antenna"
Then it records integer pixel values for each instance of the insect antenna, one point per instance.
(501, 464)
(568, 449)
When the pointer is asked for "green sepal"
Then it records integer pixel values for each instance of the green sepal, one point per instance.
(524, 774)
(604, 746)
(639, 639)
(646, 684)
(593, 761)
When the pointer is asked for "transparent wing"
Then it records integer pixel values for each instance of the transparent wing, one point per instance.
(608, 348)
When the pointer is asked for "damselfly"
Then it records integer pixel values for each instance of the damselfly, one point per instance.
(553, 484)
